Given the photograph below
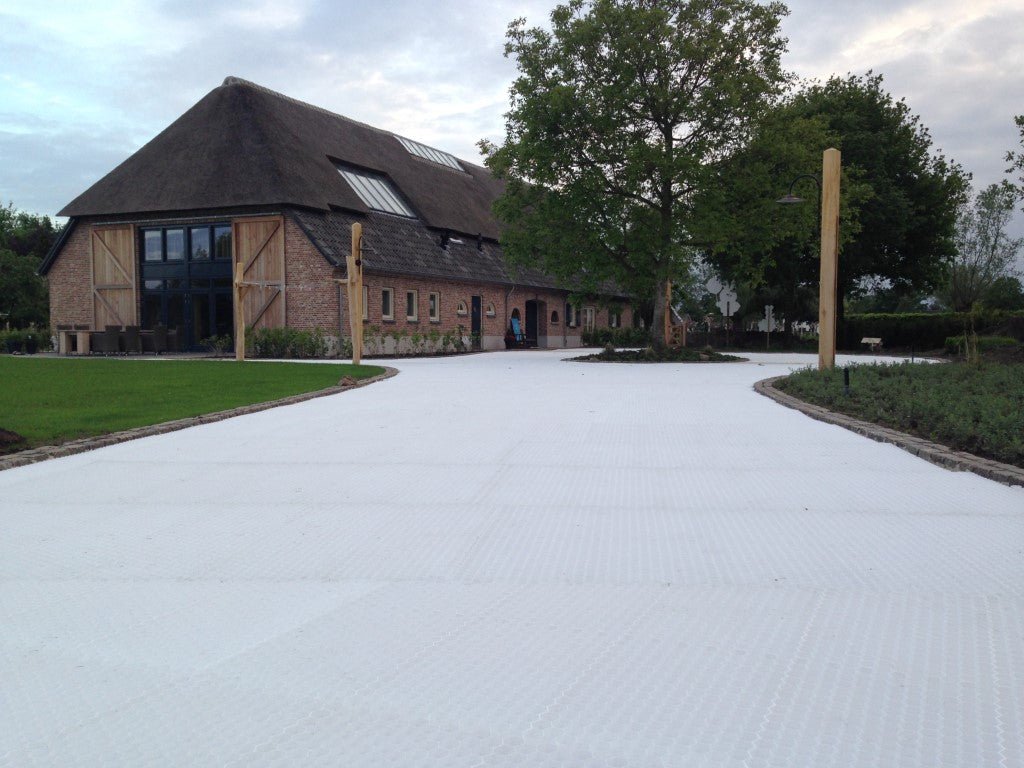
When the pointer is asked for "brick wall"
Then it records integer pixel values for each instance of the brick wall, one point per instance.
(310, 291)
(502, 299)
(71, 282)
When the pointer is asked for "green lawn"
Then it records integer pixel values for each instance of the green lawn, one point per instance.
(51, 400)
(974, 408)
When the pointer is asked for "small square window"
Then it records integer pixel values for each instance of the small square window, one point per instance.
(412, 308)
(435, 307)
(491, 312)
(387, 304)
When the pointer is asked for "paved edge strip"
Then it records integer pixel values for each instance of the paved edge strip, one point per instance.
(42, 453)
(941, 455)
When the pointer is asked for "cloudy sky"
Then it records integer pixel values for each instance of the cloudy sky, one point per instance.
(83, 85)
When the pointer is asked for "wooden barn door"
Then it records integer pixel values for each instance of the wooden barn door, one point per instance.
(259, 247)
(113, 276)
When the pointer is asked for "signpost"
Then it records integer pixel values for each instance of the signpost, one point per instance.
(728, 306)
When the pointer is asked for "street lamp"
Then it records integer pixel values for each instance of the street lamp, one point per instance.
(828, 191)
(789, 198)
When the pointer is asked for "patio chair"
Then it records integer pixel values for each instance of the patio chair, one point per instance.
(159, 338)
(132, 340)
(107, 340)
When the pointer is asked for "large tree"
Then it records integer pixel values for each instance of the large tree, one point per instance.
(899, 197)
(907, 221)
(25, 239)
(618, 116)
(985, 252)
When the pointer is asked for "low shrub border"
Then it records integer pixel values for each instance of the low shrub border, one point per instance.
(651, 355)
(923, 447)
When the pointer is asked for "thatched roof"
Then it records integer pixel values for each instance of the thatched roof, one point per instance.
(244, 145)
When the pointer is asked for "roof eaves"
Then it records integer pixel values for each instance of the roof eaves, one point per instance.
(51, 256)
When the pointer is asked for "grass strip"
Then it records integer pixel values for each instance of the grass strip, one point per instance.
(973, 408)
(45, 401)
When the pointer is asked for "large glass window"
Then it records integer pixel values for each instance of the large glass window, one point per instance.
(222, 239)
(199, 238)
(174, 244)
(186, 281)
(153, 245)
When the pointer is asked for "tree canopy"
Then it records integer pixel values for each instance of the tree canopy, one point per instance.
(617, 119)
(899, 197)
(25, 239)
(985, 252)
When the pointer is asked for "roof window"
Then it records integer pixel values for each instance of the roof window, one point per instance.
(377, 192)
(429, 153)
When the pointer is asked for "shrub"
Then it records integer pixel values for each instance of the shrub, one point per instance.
(217, 345)
(957, 344)
(286, 343)
(619, 337)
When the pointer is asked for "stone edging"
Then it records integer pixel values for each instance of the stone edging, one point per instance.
(42, 453)
(937, 454)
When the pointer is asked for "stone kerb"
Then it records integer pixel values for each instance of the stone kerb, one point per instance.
(941, 455)
(42, 453)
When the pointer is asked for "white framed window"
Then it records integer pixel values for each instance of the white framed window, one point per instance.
(366, 303)
(491, 311)
(462, 310)
(412, 305)
(571, 315)
(614, 318)
(589, 318)
(387, 304)
(434, 306)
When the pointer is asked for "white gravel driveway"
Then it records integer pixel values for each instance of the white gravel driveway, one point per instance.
(509, 560)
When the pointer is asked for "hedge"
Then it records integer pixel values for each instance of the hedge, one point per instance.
(927, 330)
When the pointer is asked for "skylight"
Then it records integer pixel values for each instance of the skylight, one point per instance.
(376, 192)
(429, 153)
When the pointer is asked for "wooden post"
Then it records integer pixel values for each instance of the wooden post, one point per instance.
(830, 168)
(668, 312)
(239, 313)
(355, 291)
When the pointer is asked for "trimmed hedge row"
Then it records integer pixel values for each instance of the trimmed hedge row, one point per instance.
(927, 330)
(619, 337)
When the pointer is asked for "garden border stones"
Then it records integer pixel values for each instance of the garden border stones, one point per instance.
(941, 455)
(44, 452)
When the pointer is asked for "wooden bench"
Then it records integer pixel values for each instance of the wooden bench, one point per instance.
(874, 343)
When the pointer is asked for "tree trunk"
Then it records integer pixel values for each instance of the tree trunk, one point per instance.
(658, 322)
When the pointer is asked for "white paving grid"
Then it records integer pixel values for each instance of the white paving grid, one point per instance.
(509, 560)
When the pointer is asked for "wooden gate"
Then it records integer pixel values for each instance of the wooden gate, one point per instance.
(259, 248)
(113, 276)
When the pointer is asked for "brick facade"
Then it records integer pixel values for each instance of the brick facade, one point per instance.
(315, 300)
(71, 282)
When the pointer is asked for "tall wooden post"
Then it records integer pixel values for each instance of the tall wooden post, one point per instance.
(355, 291)
(830, 168)
(668, 312)
(239, 312)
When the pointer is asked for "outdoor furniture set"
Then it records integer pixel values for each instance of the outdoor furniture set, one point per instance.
(116, 340)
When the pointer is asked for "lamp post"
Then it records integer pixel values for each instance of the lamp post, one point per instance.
(828, 191)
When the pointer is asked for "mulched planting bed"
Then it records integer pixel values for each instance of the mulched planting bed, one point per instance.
(665, 355)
